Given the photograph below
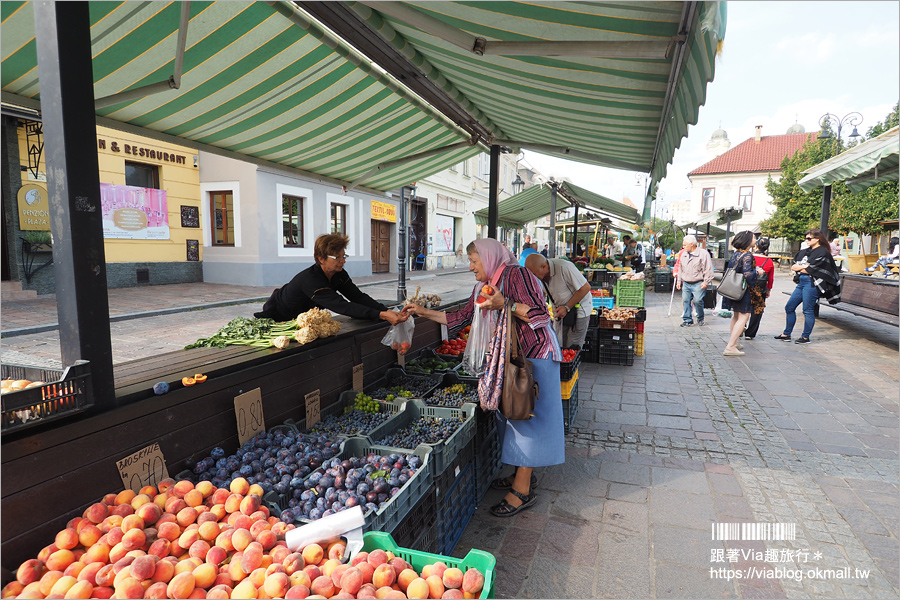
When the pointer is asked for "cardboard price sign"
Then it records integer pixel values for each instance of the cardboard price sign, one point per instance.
(145, 467)
(248, 410)
(313, 414)
(358, 377)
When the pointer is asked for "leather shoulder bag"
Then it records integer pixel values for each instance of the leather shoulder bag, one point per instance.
(520, 390)
(733, 285)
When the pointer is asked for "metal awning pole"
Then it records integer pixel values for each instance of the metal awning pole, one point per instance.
(402, 245)
(493, 181)
(575, 230)
(552, 253)
(826, 209)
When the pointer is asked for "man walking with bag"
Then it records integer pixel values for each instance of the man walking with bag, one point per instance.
(695, 273)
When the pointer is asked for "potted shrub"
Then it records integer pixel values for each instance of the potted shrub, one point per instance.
(38, 241)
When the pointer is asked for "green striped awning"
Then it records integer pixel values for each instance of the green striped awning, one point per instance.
(862, 166)
(623, 112)
(534, 203)
(254, 82)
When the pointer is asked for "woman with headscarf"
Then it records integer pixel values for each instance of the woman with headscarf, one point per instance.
(538, 441)
(816, 277)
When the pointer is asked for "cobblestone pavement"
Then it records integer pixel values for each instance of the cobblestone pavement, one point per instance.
(662, 450)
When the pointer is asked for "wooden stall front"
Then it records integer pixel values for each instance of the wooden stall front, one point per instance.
(53, 472)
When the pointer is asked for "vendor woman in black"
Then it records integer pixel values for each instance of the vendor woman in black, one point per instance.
(318, 286)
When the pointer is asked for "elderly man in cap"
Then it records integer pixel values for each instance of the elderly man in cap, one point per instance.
(695, 273)
(569, 292)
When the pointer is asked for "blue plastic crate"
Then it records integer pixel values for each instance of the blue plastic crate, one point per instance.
(603, 302)
(487, 463)
(455, 509)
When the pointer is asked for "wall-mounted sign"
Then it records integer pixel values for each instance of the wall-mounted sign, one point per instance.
(443, 233)
(382, 211)
(34, 208)
(141, 151)
(134, 213)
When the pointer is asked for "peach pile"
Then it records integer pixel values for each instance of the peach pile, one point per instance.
(182, 541)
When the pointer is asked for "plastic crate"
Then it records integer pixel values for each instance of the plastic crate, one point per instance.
(422, 517)
(464, 377)
(478, 559)
(601, 302)
(606, 278)
(67, 392)
(455, 509)
(639, 345)
(487, 464)
(570, 408)
(428, 353)
(450, 379)
(630, 297)
(640, 315)
(613, 353)
(589, 349)
(337, 408)
(445, 452)
(639, 327)
(394, 372)
(388, 517)
(616, 335)
(485, 425)
(568, 369)
(662, 288)
(567, 386)
(604, 323)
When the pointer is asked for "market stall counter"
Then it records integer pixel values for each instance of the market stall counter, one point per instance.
(51, 472)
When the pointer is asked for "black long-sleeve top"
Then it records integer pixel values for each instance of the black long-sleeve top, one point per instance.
(311, 288)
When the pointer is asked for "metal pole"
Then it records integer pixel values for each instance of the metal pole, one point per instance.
(493, 181)
(727, 236)
(552, 253)
(826, 209)
(62, 30)
(401, 248)
(575, 237)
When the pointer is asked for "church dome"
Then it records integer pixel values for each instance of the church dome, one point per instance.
(719, 134)
(796, 128)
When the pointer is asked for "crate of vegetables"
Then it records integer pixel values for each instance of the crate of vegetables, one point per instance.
(569, 364)
(452, 348)
(32, 395)
(397, 385)
(428, 363)
(464, 375)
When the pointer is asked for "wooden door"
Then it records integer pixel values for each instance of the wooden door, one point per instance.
(381, 246)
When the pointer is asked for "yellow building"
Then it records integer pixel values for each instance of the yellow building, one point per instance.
(150, 195)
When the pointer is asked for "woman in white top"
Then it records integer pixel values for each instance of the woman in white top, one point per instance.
(892, 258)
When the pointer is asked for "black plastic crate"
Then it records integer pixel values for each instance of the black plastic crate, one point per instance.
(455, 509)
(427, 540)
(663, 277)
(615, 335)
(65, 393)
(567, 370)
(590, 348)
(570, 407)
(640, 316)
(392, 376)
(485, 425)
(421, 518)
(444, 481)
(614, 353)
(662, 287)
(487, 464)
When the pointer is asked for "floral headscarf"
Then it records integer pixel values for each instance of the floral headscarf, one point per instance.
(495, 257)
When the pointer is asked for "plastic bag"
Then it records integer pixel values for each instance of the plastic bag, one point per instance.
(479, 342)
(399, 336)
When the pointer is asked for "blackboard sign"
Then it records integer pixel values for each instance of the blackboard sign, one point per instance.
(190, 216)
(193, 250)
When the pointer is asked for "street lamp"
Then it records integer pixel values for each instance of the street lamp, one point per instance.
(827, 122)
(518, 185)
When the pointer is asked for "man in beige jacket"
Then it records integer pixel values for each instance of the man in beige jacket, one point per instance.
(695, 272)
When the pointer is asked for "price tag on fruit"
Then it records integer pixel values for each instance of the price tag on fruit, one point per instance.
(313, 414)
(248, 410)
(358, 377)
(145, 467)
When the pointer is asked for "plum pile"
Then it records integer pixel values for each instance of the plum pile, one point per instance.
(339, 484)
(272, 460)
(424, 430)
(416, 386)
(352, 422)
(454, 396)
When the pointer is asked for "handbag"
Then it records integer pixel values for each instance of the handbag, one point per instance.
(764, 278)
(733, 285)
(520, 390)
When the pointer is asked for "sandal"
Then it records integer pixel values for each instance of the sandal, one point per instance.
(505, 509)
(505, 483)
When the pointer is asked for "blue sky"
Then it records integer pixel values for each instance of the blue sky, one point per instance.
(781, 62)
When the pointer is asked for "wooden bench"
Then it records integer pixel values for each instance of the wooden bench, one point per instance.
(871, 297)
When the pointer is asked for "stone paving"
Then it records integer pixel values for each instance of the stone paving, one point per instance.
(662, 450)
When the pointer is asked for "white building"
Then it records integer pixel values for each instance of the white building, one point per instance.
(738, 176)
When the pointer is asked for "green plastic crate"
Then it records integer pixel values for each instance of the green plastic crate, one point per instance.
(479, 559)
(630, 293)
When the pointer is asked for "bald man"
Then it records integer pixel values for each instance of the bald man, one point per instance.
(569, 292)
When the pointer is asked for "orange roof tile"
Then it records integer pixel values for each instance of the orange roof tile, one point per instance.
(752, 156)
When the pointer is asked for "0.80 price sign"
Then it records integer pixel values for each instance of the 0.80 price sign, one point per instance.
(248, 410)
(145, 467)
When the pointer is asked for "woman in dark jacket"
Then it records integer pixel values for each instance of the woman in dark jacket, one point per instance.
(762, 289)
(816, 277)
(742, 261)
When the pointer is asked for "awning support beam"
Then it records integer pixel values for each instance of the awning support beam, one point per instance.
(575, 154)
(174, 80)
(405, 159)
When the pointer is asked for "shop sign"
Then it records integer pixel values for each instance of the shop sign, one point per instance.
(133, 213)
(34, 208)
(141, 151)
(382, 211)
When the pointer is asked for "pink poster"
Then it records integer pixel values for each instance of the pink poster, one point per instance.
(133, 213)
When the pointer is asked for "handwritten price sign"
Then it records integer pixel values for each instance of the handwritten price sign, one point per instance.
(358, 377)
(145, 467)
(313, 414)
(248, 410)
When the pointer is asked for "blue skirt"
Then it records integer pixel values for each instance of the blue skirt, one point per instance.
(539, 441)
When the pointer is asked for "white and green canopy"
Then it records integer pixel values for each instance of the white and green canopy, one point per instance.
(859, 167)
(609, 83)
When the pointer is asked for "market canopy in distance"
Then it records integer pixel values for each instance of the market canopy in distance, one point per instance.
(871, 162)
(266, 81)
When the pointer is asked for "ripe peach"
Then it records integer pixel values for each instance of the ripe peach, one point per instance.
(161, 499)
(336, 573)
(125, 496)
(399, 565)
(130, 522)
(122, 563)
(300, 577)
(452, 594)
(122, 510)
(66, 539)
(453, 578)
(351, 580)
(59, 560)
(234, 567)
(395, 595)
(218, 511)
(258, 526)
(336, 550)
(384, 576)
(186, 516)
(277, 585)
(208, 531)
(89, 572)
(245, 589)
(160, 548)
(224, 540)
(313, 554)
(205, 575)
(143, 567)
(328, 566)
(382, 592)
(80, 589)
(149, 513)
(32, 590)
(250, 504)
(95, 513)
(74, 569)
(188, 537)
(377, 557)
(104, 576)
(219, 592)
(187, 565)
(438, 568)
(359, 557)
(168, 531)
(367, 591)
(323, 586)
(180, 586)
(157, 591)
(117, 552)
(418, 588)
(405, 577)
(297, 592)
(111, 522)
(102, 592)
(48, 580)
(29, 571)
(114, 536)
(164, 572)
(193, 498)
(140, 500)
(128, 587)
(223, 579)
(242, 521)
(220, 495)
(134, 539)
(46, 551)
(367, 571)
(473, 581)
(435, 586)
(175, 504)
(313, 571)
(11, 589)
(241, 539)
(62, 585)
(240, 486)
(89, 535)
(182, 487)
(293, 562)
(215, 555)
(199, 549)
(251, 560)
